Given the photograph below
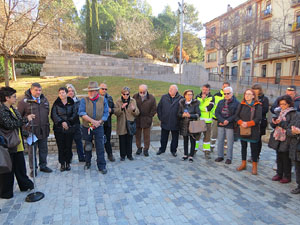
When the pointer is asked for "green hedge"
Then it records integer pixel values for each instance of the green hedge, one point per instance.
(33, 69)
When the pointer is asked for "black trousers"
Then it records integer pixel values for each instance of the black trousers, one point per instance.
(259, 145)
(164, 140)
(107, 145)
(64, 144)
(284, 164)
(18, 170)
(186, 145)
(254, 150)
(125, 142)
(297, 170)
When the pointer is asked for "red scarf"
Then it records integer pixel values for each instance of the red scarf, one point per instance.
(93, 99)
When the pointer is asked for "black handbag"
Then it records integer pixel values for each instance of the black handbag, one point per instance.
(5, 160)
(131, 127)
(274, 144)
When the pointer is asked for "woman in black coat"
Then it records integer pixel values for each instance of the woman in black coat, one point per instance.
(64, 114)
(280, 141)
(257, 88)
(10, 119)
(249, 115)
(293, 132)
(188, 110)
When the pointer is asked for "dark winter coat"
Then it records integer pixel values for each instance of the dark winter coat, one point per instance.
(41, 125)
(167, 110)
(64, 113)
(111, 105)
(244, 115)
(232, 107)
(193, 110)
(265, 109)
(296, 104)
(283, 146)
(294, 139)
(9, 121)
(147, 110)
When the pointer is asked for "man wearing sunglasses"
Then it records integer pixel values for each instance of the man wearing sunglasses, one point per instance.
(107, 123)
(146, 104)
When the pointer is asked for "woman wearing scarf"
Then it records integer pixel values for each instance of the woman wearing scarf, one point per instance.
(125, 109)
(249, 114)
(10, 119)
(279, 136)
(225, 114)
(188, 110)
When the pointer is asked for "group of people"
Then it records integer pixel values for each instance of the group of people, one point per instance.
(225, 119)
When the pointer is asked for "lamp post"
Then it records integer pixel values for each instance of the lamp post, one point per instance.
(181, 11)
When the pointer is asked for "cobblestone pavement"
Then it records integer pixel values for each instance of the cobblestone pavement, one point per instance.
(158, 190)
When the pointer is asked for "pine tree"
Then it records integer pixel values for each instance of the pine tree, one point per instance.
(95, 28)
(88, 24)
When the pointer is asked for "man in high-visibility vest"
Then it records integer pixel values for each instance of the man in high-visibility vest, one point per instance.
(214, 127)
(207, 102)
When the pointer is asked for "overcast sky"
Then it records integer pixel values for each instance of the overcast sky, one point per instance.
(208, 10)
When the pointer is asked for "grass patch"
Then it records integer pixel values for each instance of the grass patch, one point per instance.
(115, 84)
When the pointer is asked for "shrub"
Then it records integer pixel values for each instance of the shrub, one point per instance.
(121, 55)
(33, 69)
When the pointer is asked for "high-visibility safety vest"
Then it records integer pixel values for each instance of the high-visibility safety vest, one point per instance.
(218, 97)
(206, 106)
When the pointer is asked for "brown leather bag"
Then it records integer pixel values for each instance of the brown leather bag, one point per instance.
(197, 126)
(246, 131)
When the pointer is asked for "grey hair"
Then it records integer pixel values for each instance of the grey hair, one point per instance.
(174, 86)
(229, 88)
(144, 85)
(125, 89)
(72, 87)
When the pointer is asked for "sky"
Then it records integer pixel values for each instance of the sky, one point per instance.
(208, 9)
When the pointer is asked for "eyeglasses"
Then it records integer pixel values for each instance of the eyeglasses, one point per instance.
(126, 94)
(143, 92)
(248, 94)
(104, 89)
(283, 104)
(227, 93)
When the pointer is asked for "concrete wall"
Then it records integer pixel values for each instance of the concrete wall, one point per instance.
(63, 63)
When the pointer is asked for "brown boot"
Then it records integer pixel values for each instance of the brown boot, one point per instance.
(254, 168)
(243, 166)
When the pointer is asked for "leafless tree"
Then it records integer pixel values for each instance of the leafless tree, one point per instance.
(284, 32)
(226, 39)
(134, 34)
(30, 25)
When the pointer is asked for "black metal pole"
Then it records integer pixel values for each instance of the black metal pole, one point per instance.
(35, 195)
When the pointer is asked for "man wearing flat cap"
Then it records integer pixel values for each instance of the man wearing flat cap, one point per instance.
(291, 91)
(94, 112)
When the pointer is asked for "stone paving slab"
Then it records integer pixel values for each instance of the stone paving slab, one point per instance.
(158, 190)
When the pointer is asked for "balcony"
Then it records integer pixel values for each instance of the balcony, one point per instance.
(234, 58)
(295, 3)
(221, 61)
(266, 13)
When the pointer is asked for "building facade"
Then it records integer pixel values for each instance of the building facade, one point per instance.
(257, 41)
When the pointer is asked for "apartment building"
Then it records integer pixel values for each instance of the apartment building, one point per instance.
(256, 40)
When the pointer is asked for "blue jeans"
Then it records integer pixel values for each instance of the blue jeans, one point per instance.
(228, 133)
(98, 136)
(78, 142)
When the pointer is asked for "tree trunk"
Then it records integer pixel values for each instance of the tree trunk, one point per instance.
(252, 64)
(6, 76)
(225, 67)
(12, 60)
(239, 71)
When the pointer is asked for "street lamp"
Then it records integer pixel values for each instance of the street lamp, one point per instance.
(181, 12)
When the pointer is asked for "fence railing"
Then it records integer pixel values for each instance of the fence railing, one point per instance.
(249, 80)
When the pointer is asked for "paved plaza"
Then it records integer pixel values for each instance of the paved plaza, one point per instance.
(158, 190)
